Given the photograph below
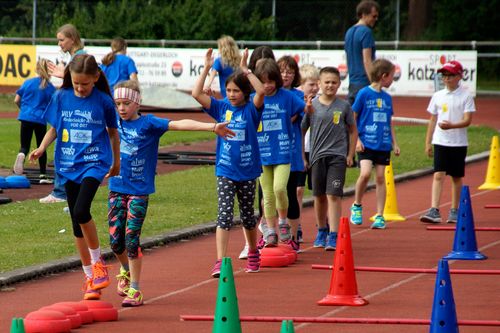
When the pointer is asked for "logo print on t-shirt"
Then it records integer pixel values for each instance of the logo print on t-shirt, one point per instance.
(65, 135)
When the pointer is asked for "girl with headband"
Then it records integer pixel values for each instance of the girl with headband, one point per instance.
(130, 190)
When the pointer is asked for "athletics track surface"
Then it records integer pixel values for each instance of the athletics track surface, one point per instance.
(176, 278)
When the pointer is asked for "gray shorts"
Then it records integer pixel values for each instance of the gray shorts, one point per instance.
(328, 175)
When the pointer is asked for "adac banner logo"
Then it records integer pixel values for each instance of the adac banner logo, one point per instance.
(17, 63)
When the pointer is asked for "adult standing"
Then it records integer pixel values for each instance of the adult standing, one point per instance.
(359, 46)
(68, 39)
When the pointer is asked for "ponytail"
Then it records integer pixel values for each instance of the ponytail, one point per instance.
(118, 44)
(43, 72)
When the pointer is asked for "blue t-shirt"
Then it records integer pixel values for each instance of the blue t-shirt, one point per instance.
(374, 113)
(139, 140)
(357, 38)
(237, 158)
(275, 132)
(223, 71)
(82, 148)
(297, 160)
(119, 70)
(34, 100)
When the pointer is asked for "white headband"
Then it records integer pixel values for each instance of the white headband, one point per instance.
(127, 93)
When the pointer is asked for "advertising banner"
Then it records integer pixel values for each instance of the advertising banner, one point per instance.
(17, 63)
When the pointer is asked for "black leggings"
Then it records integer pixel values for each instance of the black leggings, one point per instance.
(79, 197)
(293, 203)
(27, 129)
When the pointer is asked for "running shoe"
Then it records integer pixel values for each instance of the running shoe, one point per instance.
(263, 228)
(51, 199)
(44, 179)
(134, 298)
(452, 216)
(331, 241)
(123, 282)
(271, 240)
(19, 164)
(356, 214)
(100, 277)
(285, 234)
(216, 269)
(253, 262)
(300, 238)
(261, 243)
(321, 236)
(379, 222)
(432, 216)
(244, 253)
(90, 293)
(294, 245)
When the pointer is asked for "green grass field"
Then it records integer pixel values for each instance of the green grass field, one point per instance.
(32, 233)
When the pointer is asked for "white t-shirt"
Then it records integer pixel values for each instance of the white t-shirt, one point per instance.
(451, 106)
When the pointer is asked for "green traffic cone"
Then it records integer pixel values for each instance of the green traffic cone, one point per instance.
(287, 326)
(17, 326)
(227, 315)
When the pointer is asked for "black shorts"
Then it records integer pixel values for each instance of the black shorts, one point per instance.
(328, 175)
(379, 157)
(305, 176)
(450, 160)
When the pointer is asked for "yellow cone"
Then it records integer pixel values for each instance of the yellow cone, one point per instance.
(492, 181)
(391, 203)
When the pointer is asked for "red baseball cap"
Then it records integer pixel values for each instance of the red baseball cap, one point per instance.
(453, 67)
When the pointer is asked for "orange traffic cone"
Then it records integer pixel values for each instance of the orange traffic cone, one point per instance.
(492, 181)
(391, 212)
(343, 286)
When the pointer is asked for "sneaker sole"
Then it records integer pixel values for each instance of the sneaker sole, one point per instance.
(252, 270)
(131, 305)
(355, 223)
(426, 219)
(216, 275)
(318, 246)
(19, 165)
(330, 248)
(377, 227)
(101, 285)
(92, 297)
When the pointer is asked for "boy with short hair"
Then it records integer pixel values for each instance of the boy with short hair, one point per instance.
(451, 109)
(333, 141)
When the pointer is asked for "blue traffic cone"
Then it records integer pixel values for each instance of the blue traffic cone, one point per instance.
(444, 314)
(227, 314)
(465, 245)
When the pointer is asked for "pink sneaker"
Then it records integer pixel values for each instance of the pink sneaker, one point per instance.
(253, 262)
(134, 298)
(216, 269)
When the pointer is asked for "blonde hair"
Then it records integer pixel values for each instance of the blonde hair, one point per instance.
(379, 68)
(43, 72)
(70, 31)
(229, 51)
(131, 84)
(308, 72)
(118, 44)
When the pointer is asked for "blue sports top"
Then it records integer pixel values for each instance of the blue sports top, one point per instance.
(275, 132)
(119, 70)
(34, 100)
(83, 148)
(297, 160)
(374, 113)
(357, 38)
(223, 72)
(237, 158)
(139, 140)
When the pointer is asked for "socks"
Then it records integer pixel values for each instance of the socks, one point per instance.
(88, 271)
(134, 285)
(95, 255)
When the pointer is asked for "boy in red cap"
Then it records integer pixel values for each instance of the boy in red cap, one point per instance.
(451, 109)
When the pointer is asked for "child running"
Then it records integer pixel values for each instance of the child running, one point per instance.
(275, 142)
(32, 99)
(237, 160)
(373, 111)
(83, 119)
(333, 138)
(129, 192)
(224, 65)
(117, 65)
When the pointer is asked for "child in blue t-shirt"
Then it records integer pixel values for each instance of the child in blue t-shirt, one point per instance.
(117, 65)
(373, 111)
(129, 191)
(237, 164)
(32, 99)
(83, 119)
(275, 135)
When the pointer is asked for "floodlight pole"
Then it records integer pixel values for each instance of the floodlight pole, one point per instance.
(34, 23)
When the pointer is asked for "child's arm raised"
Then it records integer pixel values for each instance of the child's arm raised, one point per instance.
(197, 92)
(192, 125)
(258, 98)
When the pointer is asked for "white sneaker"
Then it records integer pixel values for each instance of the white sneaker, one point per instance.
(19, 164)
(244, 252)
(51, 199)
